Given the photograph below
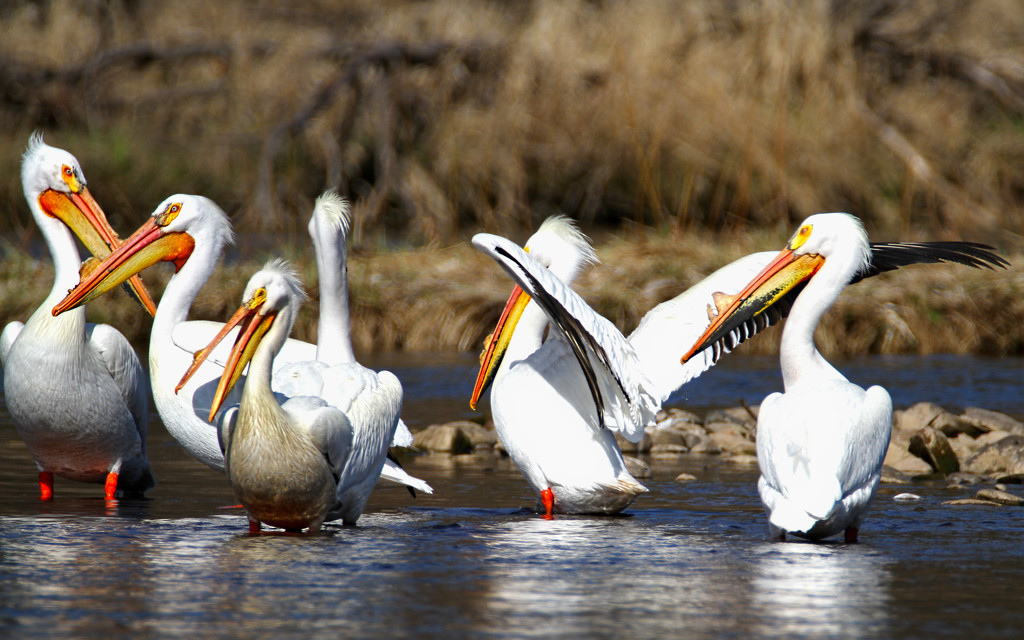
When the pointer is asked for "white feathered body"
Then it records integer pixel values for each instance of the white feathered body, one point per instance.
(544, 416)
(821, 461)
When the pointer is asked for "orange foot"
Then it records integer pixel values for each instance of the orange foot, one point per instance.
(45, 485)
(110, 486)
(547, 497)
(851, 534)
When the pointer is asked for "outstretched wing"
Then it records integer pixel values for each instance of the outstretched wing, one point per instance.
(670, 328)
(618, 384)
(885, 256)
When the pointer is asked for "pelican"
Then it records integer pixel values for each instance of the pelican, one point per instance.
(557, 402)
(191, 231)
(76, 391)
(556, 399)
(821, 443)
(352, 438)
(283, 461)
(334, 374)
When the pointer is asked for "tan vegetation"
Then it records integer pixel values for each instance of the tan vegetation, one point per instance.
(445, 299)
(681, 134)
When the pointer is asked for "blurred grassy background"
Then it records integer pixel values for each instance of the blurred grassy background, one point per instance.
(680, 134)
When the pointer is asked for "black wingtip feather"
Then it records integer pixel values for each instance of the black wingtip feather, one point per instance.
(885, 256)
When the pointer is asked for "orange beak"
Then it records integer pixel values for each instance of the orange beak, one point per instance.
(786, 271)
(498, 341)
(83, 215)
(147, 246)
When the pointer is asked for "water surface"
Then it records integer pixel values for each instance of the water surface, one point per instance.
(472, 560)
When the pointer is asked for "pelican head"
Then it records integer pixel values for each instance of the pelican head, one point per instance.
(55, 185)
(561, 247)
(332, 212)
(836, 238)
(272, 298)
(168, 236)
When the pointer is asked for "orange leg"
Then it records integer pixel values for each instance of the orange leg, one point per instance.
(548, 498)
(851, 534)
(254, 526)
(45, 485)
(110, 486)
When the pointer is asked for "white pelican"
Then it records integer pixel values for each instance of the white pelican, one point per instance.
(335, 375)
(192, 231)
(283, 461)
(541, 400)
(353, 437)
(555, 399)
(821, 443)
(76, 391)
(556, 417)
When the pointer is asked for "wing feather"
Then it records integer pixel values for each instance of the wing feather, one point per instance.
(618, 385)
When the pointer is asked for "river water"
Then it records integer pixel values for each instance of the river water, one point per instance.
(687, 560)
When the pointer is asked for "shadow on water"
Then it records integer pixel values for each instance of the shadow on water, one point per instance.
(472, 560)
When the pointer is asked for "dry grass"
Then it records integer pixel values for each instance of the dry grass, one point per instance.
(684, 134)
(449, 299)
(450, 116)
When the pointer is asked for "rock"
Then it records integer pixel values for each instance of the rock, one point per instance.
(932, 446)
(981, 442)
(1005, 457)
(962, 477)
(953, 426)
(637, 467)
(451, 437)
(634, 447)
(668, 448)
(479, 435)
(1002, 497)
(928, 414)
(731, 442)
(909, 421)
(741, 458)
(666, 436)
(963, 446)
(992, 420)
(728, 427)
(1013, 478)
(892, 476)
(900, 460)
(971, 501)
(686, 477)
(668, 456)
(736, 415)
(705, 445)
(675, 416)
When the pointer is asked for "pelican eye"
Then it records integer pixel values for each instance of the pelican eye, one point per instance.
(168, 215)
(801, 237)
(258, 298)
(70, 178)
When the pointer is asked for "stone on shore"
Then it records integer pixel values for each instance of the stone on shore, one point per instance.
(932, 446)
(1002, 497)
(971, 501)
(898, 458)
(454, 437)
(928, 443)
(1005, 457)
(993, 420)
(637, 467)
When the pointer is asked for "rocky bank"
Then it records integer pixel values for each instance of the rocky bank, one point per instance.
(976, 452)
